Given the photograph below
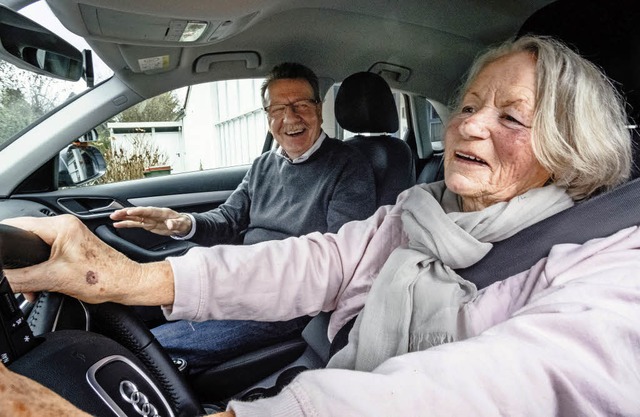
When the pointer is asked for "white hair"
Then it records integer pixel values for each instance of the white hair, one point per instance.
(579, 132)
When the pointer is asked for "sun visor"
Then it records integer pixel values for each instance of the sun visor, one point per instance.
(116, 25)
(150, 60)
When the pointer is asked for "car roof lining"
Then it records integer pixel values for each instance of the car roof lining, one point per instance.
(374, 30)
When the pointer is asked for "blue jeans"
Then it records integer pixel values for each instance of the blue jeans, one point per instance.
(209, 343)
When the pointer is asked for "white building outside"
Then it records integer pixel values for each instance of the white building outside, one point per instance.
(223, 125)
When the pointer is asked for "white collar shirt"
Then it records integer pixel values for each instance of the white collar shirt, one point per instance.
(316, 145)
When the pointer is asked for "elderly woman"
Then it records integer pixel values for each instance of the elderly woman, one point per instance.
(535, 129)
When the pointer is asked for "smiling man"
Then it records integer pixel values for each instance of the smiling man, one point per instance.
(309, 183)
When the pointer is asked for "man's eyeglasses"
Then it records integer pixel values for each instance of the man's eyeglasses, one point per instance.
(300, 107)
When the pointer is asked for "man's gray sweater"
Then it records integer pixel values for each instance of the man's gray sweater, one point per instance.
(278, 199)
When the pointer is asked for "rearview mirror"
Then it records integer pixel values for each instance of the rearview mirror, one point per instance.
(79, 164)
(30, 46)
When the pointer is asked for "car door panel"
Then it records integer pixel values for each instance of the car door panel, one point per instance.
(187, 192)
(137, 252)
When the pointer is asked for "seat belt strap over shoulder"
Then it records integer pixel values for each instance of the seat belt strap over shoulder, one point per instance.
(600, 216)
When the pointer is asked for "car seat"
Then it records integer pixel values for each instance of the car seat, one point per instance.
(433, 170)
(364, 105)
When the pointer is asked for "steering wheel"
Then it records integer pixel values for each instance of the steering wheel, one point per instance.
(20, 248)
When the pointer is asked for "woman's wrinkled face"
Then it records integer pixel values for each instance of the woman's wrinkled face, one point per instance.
(488, 152)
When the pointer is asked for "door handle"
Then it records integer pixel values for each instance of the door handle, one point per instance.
(89, 207)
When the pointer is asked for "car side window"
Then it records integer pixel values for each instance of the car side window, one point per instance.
(428, 123)
(204, 126)
(435, 127)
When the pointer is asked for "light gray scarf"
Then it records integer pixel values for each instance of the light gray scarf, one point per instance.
(416, 301)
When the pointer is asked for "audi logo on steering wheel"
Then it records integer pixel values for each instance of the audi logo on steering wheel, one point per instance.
(139, 401)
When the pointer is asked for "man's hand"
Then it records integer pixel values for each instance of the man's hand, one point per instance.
(23, 397)
(161, 221)
(84, 267)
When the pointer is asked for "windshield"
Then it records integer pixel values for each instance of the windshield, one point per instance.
(26, 96)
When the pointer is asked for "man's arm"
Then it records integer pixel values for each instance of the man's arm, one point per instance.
(161, 221)
(225, 223)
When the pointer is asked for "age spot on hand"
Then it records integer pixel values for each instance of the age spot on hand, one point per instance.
(91, 278)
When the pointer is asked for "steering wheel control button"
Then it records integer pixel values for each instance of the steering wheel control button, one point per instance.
(8, 305)
(6, 356)
(16, 337)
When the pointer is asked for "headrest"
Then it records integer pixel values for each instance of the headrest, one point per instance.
(603, 31)
(365, 104)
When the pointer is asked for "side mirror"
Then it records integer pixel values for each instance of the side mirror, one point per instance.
(79, 164)
(30, 46)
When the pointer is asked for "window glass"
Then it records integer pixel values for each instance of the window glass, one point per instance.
(26, 96)
(435, 128)
(204, 126)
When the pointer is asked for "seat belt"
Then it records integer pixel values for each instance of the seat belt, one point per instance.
(600, 216)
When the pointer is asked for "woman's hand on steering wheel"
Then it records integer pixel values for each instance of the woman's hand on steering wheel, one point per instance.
(84, 267)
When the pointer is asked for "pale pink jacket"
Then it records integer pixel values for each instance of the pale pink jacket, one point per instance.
(280, 280)
(562, 339)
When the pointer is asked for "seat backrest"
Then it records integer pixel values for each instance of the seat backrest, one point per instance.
(364, 104)
(433, 170)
